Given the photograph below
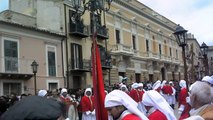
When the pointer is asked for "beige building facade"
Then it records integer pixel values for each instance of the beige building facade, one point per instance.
(142, 44)
(134, 41)
(210, 60)
(194, 59)
(20, 45)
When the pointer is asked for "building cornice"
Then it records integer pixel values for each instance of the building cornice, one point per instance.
(140, 12)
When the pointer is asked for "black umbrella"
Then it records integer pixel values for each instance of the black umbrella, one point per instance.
(34, 108)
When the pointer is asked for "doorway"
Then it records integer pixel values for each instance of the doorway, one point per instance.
(163, 73)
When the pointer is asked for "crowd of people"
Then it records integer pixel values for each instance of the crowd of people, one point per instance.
(137, 101)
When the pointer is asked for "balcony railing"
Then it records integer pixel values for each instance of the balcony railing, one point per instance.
(79, 29)
(106, 64)
(122, 49)
(102, 32)
(80, 65)
(15, 65)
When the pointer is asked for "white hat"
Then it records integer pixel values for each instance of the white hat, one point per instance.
(88, 89)
(182, 83)
(156, 85)
(153, 98)
(42, 93)
(135, 85)
(123, 86)
(163, 83)
(140, 84)
(117, 97)
(63, 90)
(208, 79)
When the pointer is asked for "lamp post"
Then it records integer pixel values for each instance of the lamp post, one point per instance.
(96, 7)
(34, 66)
(204, 50)
(180, 34)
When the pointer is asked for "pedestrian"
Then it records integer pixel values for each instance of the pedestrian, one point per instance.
(167, 92)
(157, 106)
(87, 105)
(65, 99)
(120, 106)
(157, 86)
(172, 99)
(72, 111)
(55, 95)
(124, 89)
(79, 95)
(183, 106)
(201, 96)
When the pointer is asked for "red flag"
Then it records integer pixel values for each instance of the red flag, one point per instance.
(98, 85)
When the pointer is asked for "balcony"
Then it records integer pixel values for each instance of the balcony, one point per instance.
(102, 32)
(78, 65)
(121, 49)
(106, 64)
(78, 29)
(15, 68)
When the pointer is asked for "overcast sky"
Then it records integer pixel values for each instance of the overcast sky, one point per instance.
(196, 16)
(3, 5)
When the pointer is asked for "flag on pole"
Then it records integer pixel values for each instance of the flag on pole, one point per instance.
(98, 85)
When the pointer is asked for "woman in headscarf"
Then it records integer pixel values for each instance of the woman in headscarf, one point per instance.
(122, 107)
(183, 106)
(157, 86)
(87, 105)
(157, 106)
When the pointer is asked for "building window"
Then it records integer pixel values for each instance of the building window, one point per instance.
(9, 88)
(147, 45)
(177, 54)
(102, 52)
(170, 51)
(51, 61)
(117, 34)
(160, 52)
(52, 85)
(76, 56)
(134, 42)
(11, 56)
(137, 77)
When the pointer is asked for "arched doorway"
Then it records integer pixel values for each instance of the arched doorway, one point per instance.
(163, 73)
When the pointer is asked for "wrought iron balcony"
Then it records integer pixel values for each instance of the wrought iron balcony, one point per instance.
(81, 65)
(78, 29)
(102, 32)
(106, 64)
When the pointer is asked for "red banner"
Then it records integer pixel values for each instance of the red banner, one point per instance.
(98, 84)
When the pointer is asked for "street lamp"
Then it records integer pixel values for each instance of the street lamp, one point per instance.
(180, 34)
(34, 66)
(204, 50)
(96, 7)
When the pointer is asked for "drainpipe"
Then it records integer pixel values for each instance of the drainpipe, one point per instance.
(66, 43)
(62, 55)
